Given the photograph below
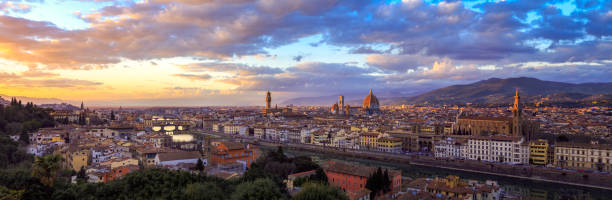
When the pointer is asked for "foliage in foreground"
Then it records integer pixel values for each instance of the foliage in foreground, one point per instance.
(315, 191)
(45, 180)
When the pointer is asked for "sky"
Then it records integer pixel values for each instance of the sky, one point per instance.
(230, 52)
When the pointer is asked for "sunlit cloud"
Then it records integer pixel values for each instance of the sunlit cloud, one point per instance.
(146, 50)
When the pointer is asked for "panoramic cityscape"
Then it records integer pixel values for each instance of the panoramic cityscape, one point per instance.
(306, 99)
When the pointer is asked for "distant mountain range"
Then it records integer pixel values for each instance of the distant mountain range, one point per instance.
(38, 100)
(56, 104)
(61, 106)
(502, 91)
(491, 91)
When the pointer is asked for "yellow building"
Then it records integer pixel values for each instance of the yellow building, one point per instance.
(76, 159)
(319, 137)
(538, 152)
(358, 129)
(369, 140)
(584, 156)
(57, 139)
(389, 144)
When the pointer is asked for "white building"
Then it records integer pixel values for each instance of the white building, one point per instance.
(305, 135)
(512, 150)
(271, 134)
(451, 148)
(294, 135)
(243, 130)
(259, 132)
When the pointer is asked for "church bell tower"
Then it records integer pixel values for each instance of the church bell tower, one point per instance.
(516, 115)
(268, 100)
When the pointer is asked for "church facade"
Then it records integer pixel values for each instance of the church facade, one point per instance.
(516, 125)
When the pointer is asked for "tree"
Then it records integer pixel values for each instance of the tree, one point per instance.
(386, 181)
(82, 119)
(314, 191)
(277, 155)
(82, 175)
(10, 153)
(45, 168)
(199, 165)
(378, 183)
(14, 128)
(8, 194)
(562, 138)
(24, 137)
(320, 176)
(204, 191)
(260, 189)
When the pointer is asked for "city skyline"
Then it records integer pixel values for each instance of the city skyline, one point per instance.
(192, 53)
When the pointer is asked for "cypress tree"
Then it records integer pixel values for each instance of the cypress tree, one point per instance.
(386, 181)
(199, 165)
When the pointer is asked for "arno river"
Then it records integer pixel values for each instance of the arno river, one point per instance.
(511, 186)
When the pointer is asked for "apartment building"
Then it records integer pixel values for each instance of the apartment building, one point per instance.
(451, 148)
(506, 149)
(584, 156)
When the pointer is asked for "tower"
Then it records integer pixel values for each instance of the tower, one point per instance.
(516, 115)
(341, 104)
(82, 106)
(268, 100)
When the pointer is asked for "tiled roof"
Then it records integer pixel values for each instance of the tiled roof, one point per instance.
(178, 156)
(233, 145)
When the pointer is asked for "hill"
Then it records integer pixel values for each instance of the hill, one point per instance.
(38, 101)
(501, 91)
(61, 106)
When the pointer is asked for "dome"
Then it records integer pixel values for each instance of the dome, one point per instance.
(370, 101)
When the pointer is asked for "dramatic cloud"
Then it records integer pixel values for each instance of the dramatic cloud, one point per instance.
(222, 29)
(195, 77)
(234, 68)
(12, 80)
(399, 63)
(253, 45)
(310, 77)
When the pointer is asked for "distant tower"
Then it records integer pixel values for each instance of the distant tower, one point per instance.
(268, 100)
(347, 109)
(341, 104)
(516, 115)
(82, 106)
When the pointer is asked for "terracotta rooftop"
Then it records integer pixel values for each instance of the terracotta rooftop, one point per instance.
(233, 145)
(178, 156)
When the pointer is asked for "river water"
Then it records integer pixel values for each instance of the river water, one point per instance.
(511, 186)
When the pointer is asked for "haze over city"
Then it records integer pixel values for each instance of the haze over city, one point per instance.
(199, 53)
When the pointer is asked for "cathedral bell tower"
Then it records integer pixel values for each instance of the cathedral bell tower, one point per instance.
(268, 100)
(516, 115)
